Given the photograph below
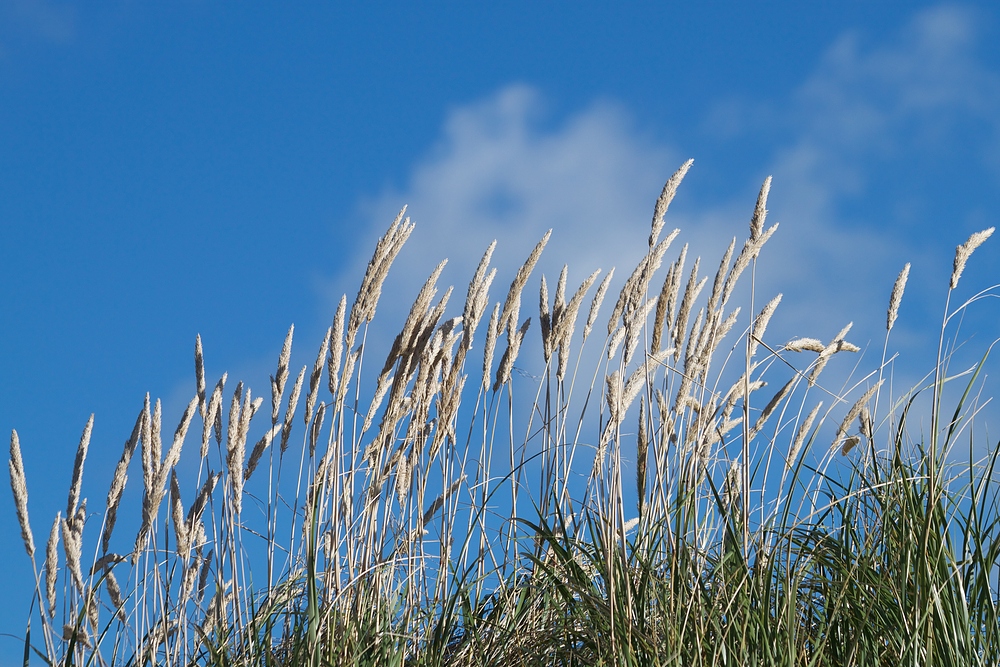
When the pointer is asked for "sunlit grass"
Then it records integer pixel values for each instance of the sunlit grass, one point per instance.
(676, 489)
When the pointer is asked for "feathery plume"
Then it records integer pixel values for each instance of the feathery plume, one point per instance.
(800, 436)
(760, 324)
(281, 374)
(508, 314)
(19, 486)
(336, 347)
(52, 565)
(896, 297)
(663, 201)
(293, 400)
(492, 331)
(81, 456)
(760, 211)
(853, 413)
(199, 373)
(595, 305)
(964, 251)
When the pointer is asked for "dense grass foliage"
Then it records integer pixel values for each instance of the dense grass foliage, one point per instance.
(676, 488)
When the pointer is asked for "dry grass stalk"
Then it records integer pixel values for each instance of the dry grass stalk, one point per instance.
(800, 436)
(563, 332)
(510, 355)
(509, 312)
(212, 416)
(52, 565)
(760, 324)
(853, 413)
(634, 328)
(386, 250)
(633, 293)
(760, 211)
(659, 320)
(259, 449)
(691, 292)
(81, 456)
(771, 406)
(545, 319)
(115, 595)
(964, 251)
(181, 531)
(642, 454)
(71, 547)
(838, 344)
(314, 378)
(663, 201)
(720, 279)
(896, 297)
(751, 249)
(281, 374)
(19, 486)
(119, 480)
(800, 344)
(293, 399)
(199, 374)
(336, 347)
(492, 331)
(314, 431)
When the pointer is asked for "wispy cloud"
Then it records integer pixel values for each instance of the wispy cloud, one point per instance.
(503, 169)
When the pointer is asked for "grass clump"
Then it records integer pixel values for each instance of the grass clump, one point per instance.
(651, 504)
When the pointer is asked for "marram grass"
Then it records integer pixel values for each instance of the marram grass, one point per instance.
(664, 494)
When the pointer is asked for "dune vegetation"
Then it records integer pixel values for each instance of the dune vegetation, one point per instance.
(675, 488)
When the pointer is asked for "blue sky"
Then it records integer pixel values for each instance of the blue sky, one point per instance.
(223, 169)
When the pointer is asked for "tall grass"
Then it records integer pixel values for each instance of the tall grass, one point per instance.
(654, 502)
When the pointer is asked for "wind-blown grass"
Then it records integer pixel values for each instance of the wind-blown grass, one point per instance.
(654, 503)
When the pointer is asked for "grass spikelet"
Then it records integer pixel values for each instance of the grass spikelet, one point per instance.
(81, 456)
(853, 413)
(213, 417)
(115, 596)
(293, 400)
(259, 449)
(760, 211)
(634, 291)
(52, 565)
(896, 297)
(964, 251)
(509, 312)
(760, 324)
(19, 486)
(199, 374)
(659, 319)
(510, 355)
(544, 319)
(800, 436)
(492, 330)
(281, 374)
(642, 453)
(802, 344)
(71, 548)
(663, 201)
(386, 250)
(595, 304)
(694, 287)
(177, 514)
(119, 480)
(314, 378)
(336, 347)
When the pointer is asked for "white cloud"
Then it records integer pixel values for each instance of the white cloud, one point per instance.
(502, 169)
(499, 173)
